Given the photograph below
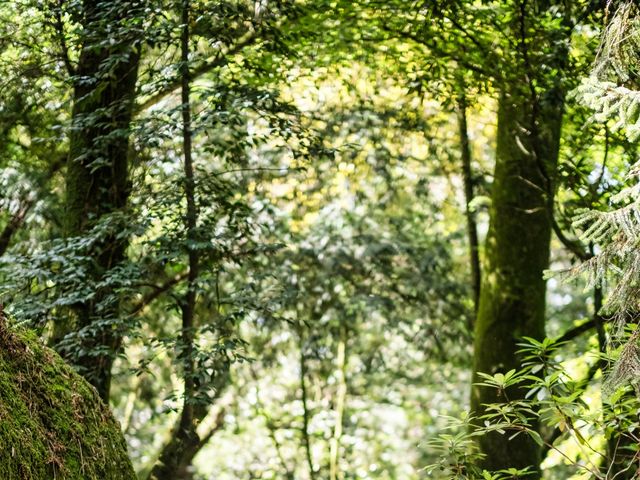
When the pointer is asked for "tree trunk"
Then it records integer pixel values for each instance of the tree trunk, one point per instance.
(97, 181)
(467, 178)
(341, 400)
(176, 458)
(306, 417)
(178, 454)
(512, 300)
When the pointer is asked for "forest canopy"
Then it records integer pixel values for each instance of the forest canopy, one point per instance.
(319, 239)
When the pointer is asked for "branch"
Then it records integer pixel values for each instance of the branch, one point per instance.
(577, 331)
(219, 60)
(58, 25)
(260, 169)
(156, 292)
(17, 219)
(13, 225)
(438, 51)
(572, 245)
(557, 432)
(596, 321)
(217, 425)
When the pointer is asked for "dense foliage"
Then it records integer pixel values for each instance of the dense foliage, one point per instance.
(345, 240)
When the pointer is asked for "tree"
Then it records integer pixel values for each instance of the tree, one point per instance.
(529, 117)
(104, 84)
(611, 91)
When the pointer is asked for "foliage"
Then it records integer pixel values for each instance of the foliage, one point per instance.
(333, 311)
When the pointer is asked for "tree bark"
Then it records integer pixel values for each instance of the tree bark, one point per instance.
(189, 303)
(512, 302)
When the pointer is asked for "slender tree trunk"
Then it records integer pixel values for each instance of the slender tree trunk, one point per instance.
(97, 181)
(341, 399)
(189, 303)
(467, 177)
(177, 455)
(512, 299)
(306, 439)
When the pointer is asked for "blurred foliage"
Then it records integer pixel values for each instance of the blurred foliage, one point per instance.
(331, 235)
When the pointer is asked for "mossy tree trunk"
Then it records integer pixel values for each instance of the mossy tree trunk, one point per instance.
(97, 182)
(512, 299)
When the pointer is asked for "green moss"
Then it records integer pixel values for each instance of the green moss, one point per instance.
(53, 425)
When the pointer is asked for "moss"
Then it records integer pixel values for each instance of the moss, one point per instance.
(53, 425)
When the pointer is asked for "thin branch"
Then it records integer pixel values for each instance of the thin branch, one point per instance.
(188, 306)
(58, 25)
(271, 427)
(213, 429)
(260, 169)
(158, 290)
(17, 220)
(219, 60)
(607, 138)
(13, 225)
(436, 50)
(557, 432)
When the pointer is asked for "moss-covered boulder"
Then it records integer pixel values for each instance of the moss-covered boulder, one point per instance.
(53, 425)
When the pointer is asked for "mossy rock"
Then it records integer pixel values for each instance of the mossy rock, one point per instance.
(53, 425)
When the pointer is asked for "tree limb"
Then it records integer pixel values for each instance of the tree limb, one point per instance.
(572, 245)
(219, 60)
(576, 331)
(156, 292)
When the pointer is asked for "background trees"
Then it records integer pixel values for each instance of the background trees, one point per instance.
(261, 224)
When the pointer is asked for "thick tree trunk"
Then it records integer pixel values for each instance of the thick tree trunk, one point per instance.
(97, 170)
(53, 414)
(512, 300)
